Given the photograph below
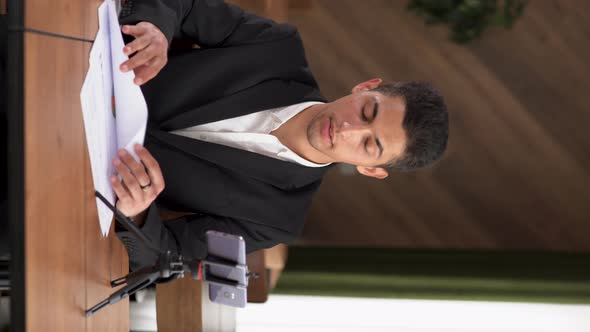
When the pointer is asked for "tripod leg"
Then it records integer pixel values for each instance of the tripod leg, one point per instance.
(132, 276)
(135, 284)
(118, 281)
(97, 307)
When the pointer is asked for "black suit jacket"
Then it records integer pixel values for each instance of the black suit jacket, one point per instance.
(245, 64)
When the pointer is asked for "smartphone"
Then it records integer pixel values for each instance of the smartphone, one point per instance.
(227, 246)
(225, 269)
(227, 256)
(233, 296)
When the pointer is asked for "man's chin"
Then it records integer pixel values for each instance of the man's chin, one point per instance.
(317, 142)
(313, 136)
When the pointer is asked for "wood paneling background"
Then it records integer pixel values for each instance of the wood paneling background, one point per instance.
(53, 257)
(68, 264)
(517, 171)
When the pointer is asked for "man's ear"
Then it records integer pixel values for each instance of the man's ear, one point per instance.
(374, 172)
(367, 85)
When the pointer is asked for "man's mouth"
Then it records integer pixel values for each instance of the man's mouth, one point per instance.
(331, 133)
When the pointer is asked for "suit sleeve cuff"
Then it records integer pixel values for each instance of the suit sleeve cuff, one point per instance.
(152, 227)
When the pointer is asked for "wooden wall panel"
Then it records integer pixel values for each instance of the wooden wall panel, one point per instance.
(516, 173)
(90, 21)
(179, 305)
(54, 181)
(70, 18)
(69, 264)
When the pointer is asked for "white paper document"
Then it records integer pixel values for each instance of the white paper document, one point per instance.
(113, 108)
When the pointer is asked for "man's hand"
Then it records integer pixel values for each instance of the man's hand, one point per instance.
(141, 184)
(151, 48)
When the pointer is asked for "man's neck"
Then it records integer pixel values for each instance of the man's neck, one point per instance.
(293, 133)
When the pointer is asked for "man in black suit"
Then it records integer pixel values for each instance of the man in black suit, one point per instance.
(239, 134)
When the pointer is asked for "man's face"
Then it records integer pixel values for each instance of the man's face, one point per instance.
(362, 129)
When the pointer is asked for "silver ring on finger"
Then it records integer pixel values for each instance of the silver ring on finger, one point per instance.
(146, 187)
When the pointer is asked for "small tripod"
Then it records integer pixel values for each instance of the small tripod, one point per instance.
(168, 265)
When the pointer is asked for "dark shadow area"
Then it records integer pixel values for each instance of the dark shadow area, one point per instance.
(3, 141)
(4, 237)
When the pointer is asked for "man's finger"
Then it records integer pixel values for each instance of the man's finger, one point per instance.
(136, 168)
(138, 44)
(139, 59)
(122, 194)
(148, 71)
(129, 179)
(134, 30)
(152, 167)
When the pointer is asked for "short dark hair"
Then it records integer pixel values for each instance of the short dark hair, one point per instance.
(426, 123)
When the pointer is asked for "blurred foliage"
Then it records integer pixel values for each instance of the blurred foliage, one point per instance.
(468, 18)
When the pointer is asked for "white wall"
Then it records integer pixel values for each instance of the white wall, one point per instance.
(310, 314)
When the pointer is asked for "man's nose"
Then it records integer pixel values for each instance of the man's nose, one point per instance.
(349, 130)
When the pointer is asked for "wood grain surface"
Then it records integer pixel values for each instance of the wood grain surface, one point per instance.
(70, 18)
(258, 288)
(54, 185)
(517, 169)
(178, 305)
(68, 263)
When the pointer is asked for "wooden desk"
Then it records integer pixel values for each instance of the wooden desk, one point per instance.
(61, 263)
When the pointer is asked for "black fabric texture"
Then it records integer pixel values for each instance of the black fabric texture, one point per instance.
(246, 64)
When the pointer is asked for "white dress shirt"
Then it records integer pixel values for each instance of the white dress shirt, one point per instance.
(252, 132)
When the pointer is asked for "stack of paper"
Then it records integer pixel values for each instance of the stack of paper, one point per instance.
(113, 108)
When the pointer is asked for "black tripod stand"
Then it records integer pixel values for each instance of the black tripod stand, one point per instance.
(168, 266)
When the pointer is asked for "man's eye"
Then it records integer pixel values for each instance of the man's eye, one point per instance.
(363, 116)
(366, 144)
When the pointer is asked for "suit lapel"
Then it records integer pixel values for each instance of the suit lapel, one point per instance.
(281, 174)
(263, 96)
